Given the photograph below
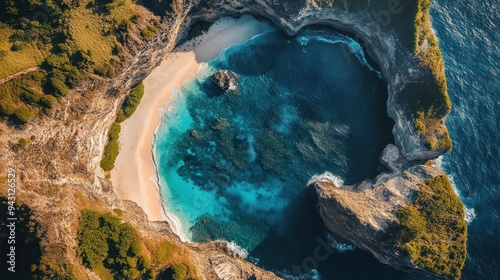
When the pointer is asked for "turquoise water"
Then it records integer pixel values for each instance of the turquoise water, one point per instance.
(237, 165)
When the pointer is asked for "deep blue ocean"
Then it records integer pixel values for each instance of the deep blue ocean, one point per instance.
(469, 36)
(237, 164)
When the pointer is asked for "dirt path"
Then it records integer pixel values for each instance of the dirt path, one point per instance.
(25, 71)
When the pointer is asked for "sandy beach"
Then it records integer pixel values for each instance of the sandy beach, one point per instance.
(134, 175)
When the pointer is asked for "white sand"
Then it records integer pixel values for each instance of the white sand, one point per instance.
(134, 175)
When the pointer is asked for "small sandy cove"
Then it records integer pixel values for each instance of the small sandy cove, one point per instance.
(134, 175)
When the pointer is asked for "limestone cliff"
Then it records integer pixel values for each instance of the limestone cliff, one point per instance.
(361, 214)
(368, 213)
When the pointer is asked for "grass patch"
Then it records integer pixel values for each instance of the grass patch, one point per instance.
(11, 62)
(85, 29)
(149, 32)
(432, 230)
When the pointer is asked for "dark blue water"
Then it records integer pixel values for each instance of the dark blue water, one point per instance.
(469, 34)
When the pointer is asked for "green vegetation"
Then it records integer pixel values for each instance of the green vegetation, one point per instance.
(130, 103)
(198, 29)
(180, 271)
(433, 130)
(427, 50)
(128, 108)
(68, 40)
(114, 250)
(109, 246)
(23, 98)
(427, 101)
(432, 230)
(149, 32)
(112, 148)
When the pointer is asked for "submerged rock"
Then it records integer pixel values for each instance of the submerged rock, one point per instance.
(226, 80)
(221, 124)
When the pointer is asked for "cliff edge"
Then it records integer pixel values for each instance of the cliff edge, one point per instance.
(408, 218)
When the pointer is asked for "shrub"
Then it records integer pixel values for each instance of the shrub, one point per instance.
(23, 142)
(18, 46)
(23, 114)
(164, 251)
(3, 53)
(117, 49)
(7, 107)
(432, 230)
(151, 274)
(56, 87)
(118, 212)
(135, 18)
(130, 103)
(179, 271)
(106, 244)
(143, 263)
(198, 29)
(47, 101)
(30, 96)
(112, 149)
(149, 32)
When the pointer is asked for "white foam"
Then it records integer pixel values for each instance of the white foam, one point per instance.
(438, 162)
(339, 246)
(326, 177)
(470, 213)
(235, 249)
(172, 220)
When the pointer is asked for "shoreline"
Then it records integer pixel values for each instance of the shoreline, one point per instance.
(135, 174)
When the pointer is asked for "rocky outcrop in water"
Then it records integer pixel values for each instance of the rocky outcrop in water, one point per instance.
(362, 213)
(365, 214)
(226, 80)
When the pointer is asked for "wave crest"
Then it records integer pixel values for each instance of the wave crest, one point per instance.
(326, 177)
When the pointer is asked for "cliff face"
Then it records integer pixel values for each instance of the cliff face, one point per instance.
(363, 213)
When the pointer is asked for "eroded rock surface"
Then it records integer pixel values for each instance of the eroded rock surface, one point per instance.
(226, 80)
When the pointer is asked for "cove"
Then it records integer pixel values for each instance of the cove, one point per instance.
(236, 166)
